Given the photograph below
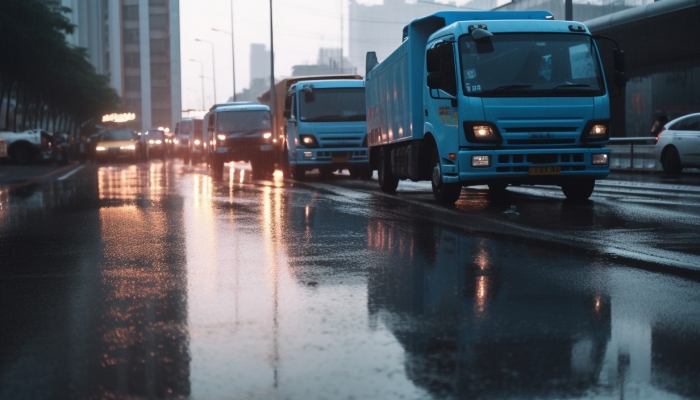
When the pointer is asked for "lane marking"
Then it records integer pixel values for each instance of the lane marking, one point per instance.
(38, 178)
(68, 175)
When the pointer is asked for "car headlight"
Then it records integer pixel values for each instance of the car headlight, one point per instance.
(197, 142)
(100, 148)
(159, 141)
(130, 147)
(151, 141)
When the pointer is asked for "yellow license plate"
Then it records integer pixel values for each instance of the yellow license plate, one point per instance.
(339, 159)
(545, 171)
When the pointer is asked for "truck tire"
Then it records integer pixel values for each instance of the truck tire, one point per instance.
(388, 182)
(445, 193)
(22, 153)
(578, 189)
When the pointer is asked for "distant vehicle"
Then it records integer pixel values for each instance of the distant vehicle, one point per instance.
(678, 144)
(117, 145)
(239, 132)
(188, 135)
(327, 128)
(154, 140)
(31, 145)
(282, 105)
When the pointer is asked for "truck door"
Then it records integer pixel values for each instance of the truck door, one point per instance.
(443, 93)
(290, 129)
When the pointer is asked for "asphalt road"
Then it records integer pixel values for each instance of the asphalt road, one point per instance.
(160, 281)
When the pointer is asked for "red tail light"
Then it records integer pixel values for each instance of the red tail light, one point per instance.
(656, 139)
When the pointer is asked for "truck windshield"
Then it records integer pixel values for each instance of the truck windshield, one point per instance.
(530, 64)
(337, 104)
(242, 121)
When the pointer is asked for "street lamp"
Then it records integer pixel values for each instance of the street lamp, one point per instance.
(233, 60)
(213, 64)
(201, 65)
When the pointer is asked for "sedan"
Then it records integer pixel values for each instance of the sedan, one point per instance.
(678, 144)
(118, 144)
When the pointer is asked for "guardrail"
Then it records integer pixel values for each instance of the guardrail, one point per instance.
(633, 153)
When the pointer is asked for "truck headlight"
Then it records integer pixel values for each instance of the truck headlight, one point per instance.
(596, 130)
(267, 135)
(599, 159)
(482, 132)
(481, 161)
(100, 148)
(221, 137)
(308, 141)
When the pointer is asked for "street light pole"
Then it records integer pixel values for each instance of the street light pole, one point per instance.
(201, 65)
(213, 64)
(272, 77)
(233, 57)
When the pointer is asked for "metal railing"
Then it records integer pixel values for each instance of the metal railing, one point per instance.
(633, 153)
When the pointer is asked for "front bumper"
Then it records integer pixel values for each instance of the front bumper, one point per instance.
(244, 150)
(316, 157)
(514, 166)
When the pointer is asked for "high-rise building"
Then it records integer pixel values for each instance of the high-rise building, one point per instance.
(259, 62)
(136, 43)
(379, 28)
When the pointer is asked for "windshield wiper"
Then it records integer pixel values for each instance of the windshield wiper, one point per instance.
(567, 85)
(506, 88)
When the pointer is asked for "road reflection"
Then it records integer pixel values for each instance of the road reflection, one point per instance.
(142, 346)
(444, 297)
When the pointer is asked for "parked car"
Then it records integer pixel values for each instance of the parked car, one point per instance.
(31, 145)
(678, 144)
(117, 144)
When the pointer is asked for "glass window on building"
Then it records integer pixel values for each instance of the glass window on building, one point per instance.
(131, 35)
(131, 13)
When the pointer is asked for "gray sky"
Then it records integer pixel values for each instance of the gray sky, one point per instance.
(301, 28)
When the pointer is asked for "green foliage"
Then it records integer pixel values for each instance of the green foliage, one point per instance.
(41, 72)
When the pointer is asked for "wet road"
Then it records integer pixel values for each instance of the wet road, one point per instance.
(159, 281)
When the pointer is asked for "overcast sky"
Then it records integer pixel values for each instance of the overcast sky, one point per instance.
(301, 28)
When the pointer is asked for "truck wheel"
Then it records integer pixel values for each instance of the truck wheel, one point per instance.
(21, 153)
(578, 189)
(388, 182)
(446, 193)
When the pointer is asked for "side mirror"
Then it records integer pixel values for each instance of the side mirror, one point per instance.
(287, 114)
(619, 60)
(434, 80)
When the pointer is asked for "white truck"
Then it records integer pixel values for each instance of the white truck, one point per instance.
(25, 147)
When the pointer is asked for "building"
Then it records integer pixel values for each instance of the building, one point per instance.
(379, 28)
(259, 62)
(137, 44)
(329, 62)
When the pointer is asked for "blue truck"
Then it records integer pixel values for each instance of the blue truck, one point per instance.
(326, 128)
(491, 98)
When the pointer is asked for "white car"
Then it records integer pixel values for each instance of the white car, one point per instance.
(678, 144)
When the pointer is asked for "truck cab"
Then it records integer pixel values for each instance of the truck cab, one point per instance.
(326, 128)
(239, 132)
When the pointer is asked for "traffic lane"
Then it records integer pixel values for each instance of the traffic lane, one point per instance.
(23, 175)
(650, 225)
(173, 283)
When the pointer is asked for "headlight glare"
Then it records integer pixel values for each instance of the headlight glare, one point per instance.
(267, 135)
(598, 130)
(482, 131)
(100, 148)
(221, 137)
